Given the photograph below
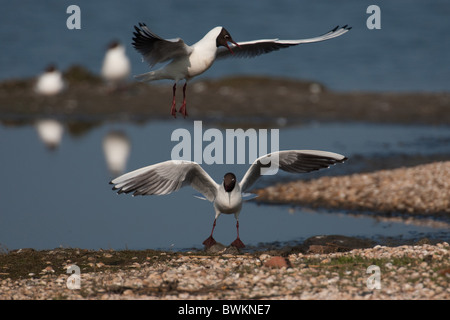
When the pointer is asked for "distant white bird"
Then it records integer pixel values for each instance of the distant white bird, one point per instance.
(50, 82)
(169, 176)
(187, 62)
(116, 65)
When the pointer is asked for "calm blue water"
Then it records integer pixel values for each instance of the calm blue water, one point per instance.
(62, 197)
(410, 52)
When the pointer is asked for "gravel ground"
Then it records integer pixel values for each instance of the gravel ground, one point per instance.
(405, 272)
(419, 190)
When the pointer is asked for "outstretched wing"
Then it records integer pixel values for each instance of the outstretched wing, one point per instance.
(255, 48)
(155, 49)
(166, 177)
(295, 161)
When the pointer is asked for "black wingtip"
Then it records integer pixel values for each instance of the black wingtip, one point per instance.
(139, 27)
(114, 188)
(346, 27)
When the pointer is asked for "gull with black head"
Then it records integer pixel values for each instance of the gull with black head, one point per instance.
(187, 62)
(227, 197)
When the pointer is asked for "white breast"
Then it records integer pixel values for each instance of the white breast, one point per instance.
(228, 202)
(203, 53)
(50, 83)
(116, 65)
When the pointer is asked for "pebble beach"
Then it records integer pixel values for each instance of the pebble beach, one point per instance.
(405, 272)
(418, 190)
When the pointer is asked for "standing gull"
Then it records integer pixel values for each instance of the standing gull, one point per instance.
(169, 176)
(187, 61)
(50, 82)
(116, 65)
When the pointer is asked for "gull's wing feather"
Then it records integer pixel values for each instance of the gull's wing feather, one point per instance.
(295, 161)
(255, 48)
(155, 49)
(167, 177)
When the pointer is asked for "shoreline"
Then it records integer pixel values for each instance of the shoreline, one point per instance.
(271, 99)
(420, 190)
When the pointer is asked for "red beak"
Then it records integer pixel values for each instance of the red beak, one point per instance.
(235, 43)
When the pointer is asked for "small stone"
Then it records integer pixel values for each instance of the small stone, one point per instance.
(128, 292)
(217, 247)
(183, 295)
(264, 257)
(277, 262)
(48, 269)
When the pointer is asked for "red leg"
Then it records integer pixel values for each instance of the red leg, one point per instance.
(210, 241)
(183, 110)
(238, 243)
(173, 110)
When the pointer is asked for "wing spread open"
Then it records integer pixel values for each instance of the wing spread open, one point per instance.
(155, 49)
(166, 177)
(255, 48)
(295, 161)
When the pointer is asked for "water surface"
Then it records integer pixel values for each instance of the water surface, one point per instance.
(61, 196)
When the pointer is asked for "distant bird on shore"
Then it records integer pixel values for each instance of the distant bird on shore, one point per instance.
(116, 65)
(187, 61)
(50, 82)
(227, 197)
